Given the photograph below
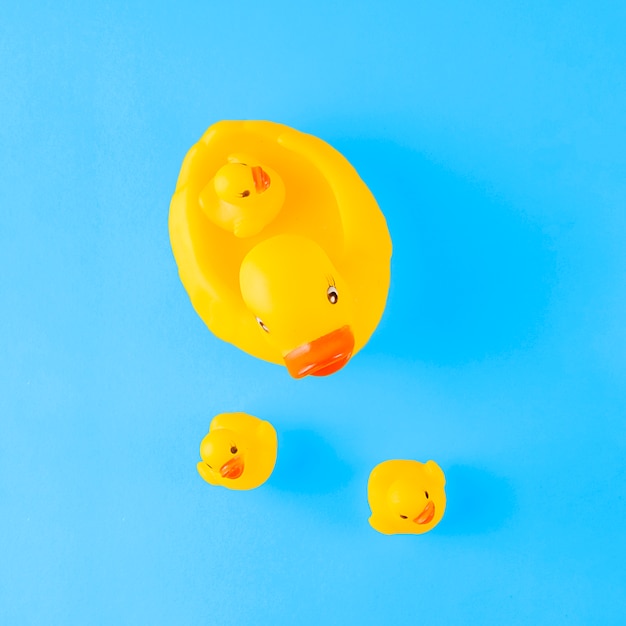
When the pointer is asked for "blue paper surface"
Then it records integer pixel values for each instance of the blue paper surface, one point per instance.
(492, 135)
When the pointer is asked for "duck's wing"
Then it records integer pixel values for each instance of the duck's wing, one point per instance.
(436, 471)
(267, 433)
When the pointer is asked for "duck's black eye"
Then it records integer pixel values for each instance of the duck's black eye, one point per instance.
(332, 295)
(426, 494)
(209, 466)
(262, 325)
(244, 194)
(403, 516)
(233, 450)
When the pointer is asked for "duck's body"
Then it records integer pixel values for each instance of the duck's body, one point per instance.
(239, 452)
(406, 497)
(312, 284)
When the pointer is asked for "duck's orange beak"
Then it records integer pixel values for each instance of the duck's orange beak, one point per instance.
(261, 179)
(426, 515)
(233, 468)
(323, 356)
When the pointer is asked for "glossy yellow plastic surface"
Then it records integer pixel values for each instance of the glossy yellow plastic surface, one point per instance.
(242, 197)
(239, 452)
(406, 497)
(280, 245)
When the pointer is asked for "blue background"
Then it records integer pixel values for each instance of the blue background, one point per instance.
(493, 136)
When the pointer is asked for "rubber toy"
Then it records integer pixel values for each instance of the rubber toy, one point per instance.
(406, 497)
(239, 452)
(242, 197)
(280, 245)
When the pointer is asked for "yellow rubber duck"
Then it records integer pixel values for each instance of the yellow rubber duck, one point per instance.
(406, 497)
(239, 452)
(243, 197)
(309, 288)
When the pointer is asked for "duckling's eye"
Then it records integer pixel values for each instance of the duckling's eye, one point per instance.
(244, 194)
(426, 494)
(262, 325)
(332, 295)
(403, 516)
(233, 450)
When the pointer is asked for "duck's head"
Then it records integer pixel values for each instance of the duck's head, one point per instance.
(300, 303)
(249, 196)
(223, 451)
(413, 502)
(241, 178)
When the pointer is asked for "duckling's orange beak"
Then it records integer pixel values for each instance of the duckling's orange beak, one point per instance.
(426, 515)
(261, 179)
(322, 356)
(233, 468)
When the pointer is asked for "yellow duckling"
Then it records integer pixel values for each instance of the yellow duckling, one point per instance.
(239, 452)
(406, 497)
(309, 289)
(243, 197)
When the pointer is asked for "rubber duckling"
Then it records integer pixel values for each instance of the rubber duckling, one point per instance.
(309, 289)
(406, 497)
(239, 451)
(243, 197)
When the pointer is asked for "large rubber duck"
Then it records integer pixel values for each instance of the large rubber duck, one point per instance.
(239, 452)
(406, 497)
(280, 245)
